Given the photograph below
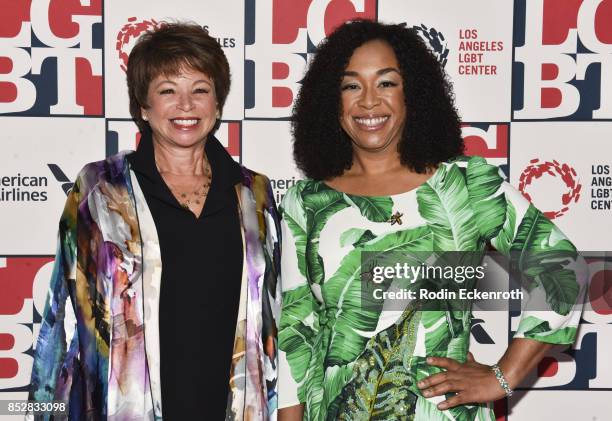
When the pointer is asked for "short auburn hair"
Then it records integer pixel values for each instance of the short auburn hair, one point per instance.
(167, 50)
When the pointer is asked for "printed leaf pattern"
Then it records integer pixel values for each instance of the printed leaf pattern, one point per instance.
(426, 410)
(375, 209)
(298, 327)
(444, 203)
(355, 237)
(382, 388)
(295, 218)
(542, 260)
(503, 241)
(320, 206)
(349, 317)
(343, 363)
(483, 182)
(535, 328)
(561, 289)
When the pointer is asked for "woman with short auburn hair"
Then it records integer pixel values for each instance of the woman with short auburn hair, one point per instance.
(164, 292)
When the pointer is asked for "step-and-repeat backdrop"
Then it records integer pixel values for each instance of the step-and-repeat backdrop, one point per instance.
(533, 84)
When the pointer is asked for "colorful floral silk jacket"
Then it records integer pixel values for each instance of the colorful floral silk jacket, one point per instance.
(92, 349)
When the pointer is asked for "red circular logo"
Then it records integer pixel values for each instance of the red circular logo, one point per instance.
(536, 170)
(128, 35)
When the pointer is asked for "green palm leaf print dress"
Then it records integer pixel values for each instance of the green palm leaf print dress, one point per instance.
(347, 361)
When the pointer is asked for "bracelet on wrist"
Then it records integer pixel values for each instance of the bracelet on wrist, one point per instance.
(501, 379)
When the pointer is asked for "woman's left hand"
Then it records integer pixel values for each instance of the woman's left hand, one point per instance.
(472, 382)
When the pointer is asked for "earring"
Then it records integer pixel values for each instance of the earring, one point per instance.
(145, 118)
(218, 115)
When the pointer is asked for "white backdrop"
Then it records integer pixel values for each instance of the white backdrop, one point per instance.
(533, 84)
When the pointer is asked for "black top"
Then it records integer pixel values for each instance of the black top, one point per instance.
(200, 285)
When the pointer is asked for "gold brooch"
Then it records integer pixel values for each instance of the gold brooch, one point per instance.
(396, 218)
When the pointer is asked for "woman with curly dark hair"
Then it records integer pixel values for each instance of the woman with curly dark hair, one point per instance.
(378, 138)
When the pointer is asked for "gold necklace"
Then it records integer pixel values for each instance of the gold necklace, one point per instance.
(194, 195)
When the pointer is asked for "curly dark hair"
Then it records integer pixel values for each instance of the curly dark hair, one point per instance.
(432, 133)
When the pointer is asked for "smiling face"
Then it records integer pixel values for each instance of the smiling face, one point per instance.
(182, 108)
(373, 111)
